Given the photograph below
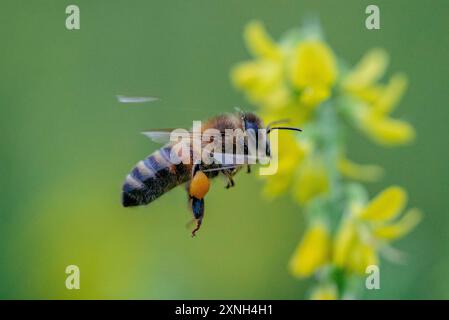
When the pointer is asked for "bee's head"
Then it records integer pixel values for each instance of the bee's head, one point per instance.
(253, 123)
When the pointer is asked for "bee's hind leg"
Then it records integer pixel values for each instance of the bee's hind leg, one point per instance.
(197, 188)
(198, 226)
(248, 169)
(197, 206)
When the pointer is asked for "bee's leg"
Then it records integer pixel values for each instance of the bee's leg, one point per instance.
(197, 188)
(248, 169)
(198, 226)
(197, 206)
(228, 176)
(231, 182)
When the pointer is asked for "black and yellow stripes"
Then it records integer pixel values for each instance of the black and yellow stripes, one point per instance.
(152, 177)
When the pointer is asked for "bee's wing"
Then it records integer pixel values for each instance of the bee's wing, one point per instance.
(164, 135)
(158, 135)
(128, 99)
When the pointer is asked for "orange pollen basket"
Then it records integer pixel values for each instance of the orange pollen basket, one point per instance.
(199, 186)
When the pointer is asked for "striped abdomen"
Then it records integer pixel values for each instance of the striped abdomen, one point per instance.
(152, 177)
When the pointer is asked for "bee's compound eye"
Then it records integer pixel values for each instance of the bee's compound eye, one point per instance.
(199, 186)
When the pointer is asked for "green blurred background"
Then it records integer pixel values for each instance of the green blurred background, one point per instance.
(67, 146)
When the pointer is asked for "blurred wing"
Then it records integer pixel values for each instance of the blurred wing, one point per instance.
(159, 135)
(163, 135)
(125, 99)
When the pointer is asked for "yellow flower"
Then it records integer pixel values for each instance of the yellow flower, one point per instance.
(400, 228)
(325, 292)
(391, 94)
(343, 242)
(290, 79)
(362, 255)
(352, 170)
(312, 252)
(351, 251)
(291, 154)
(263, 78)
(313, 71)
(384, 130)
(312, 180)
(309, 67)
(299, 169)
(367, 72)
(385, 208)
(362, 234)
(259, 42)
(377, 101)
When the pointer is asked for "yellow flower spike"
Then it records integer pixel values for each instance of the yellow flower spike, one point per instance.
(400, 228)
(259, 42)
(369, 70)
(370, 256)
(291, 155)
(288, 81)
(245, 74)
(296, 116)
(313, 70)
(312, 252)
(291, 159)
(276, 184)
(361, 256)
(313, 65)
(387, 131)
(257, 78)
(352, 170)
(391, 94)
(325, 292)
(369, 94)
(344, 241)
(385, 206)
(312, 96)
(279, 97)
(312, 181)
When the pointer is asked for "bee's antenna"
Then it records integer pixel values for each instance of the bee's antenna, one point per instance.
(286, 120)
(283, 128)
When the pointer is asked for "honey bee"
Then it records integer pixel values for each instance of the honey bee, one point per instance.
(158, 173)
